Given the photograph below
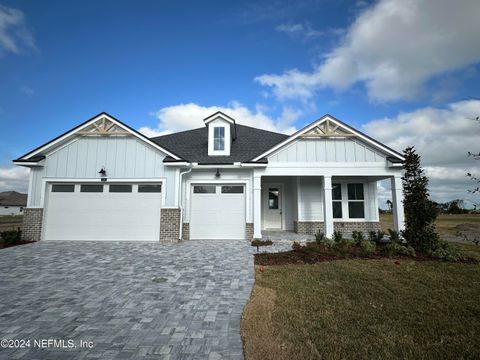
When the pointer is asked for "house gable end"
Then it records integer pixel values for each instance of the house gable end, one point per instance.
(101, 125)
(331, 130)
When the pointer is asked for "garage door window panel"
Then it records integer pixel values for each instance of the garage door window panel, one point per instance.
(63, 188)
(91, 188)
(232, 189)
(204, 189)
(150, 188)
(120, 188)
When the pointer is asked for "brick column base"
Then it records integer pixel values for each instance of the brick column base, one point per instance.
(308, 227)
(169, 224)
(347, 227)
(32, 224)
(249, 231)
(186, 231)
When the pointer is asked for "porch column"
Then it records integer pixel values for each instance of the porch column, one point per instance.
(397, 200)
(257, 207)
(327, 206)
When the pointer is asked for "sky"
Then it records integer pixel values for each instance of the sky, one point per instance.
(405, 72)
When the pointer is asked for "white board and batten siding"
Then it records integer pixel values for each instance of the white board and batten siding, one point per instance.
(327, 150)
(122, 157)
(310, 198)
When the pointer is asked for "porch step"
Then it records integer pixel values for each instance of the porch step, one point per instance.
(287, 236)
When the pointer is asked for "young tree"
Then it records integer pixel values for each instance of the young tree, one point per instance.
(475, 178)
(420, 211)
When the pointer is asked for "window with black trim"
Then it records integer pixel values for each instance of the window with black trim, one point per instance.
(120, 188)
(219, 138)
(234, 189)
(337, 201)
(356, 201)
(204, 189)
(63, 187)
(149, 188)
(92, 188)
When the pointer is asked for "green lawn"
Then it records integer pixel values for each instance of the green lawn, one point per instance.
(447, 225)
(367, 309)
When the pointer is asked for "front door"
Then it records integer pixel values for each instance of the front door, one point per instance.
(273, 207)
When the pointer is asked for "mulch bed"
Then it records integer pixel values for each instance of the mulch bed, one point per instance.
(307, 255)
(7, 245)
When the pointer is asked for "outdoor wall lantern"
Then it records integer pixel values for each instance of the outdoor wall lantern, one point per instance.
(217, 174)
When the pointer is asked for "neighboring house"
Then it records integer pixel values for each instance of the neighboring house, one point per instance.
(12, 203)
(105, 181)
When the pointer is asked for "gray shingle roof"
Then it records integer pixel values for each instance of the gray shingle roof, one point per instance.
(192, 145)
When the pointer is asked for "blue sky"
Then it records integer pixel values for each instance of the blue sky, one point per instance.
(386, 67)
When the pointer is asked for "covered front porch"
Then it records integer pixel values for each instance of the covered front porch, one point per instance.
(305, 205)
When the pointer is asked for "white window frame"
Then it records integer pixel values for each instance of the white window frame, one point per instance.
(218, 138)
(226, 141)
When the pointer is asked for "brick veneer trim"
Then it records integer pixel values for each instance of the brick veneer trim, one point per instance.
(345, 227)
(169, 224)
(32, 224)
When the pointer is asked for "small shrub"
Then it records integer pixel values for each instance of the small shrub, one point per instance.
(337, 236)
(259, 242)
(357, 237)
(376, 236)
(367, 247)
(319, 237)
(396, 248)
(343, 247)
(11, 236)
(296, 246)
(394, 236)
(447, 251)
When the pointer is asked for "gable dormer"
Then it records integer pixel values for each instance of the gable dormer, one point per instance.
(221, 133)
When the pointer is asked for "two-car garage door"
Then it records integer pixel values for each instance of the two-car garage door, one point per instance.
(217, 212)
(101, 211)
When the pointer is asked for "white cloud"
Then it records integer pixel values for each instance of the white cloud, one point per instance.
(14, 178)
(300, 30)
(14, 33)
(394, 47)
(443, 138)
(189, 116)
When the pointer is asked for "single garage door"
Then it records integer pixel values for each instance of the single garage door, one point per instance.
(217, 212)
(103, 212)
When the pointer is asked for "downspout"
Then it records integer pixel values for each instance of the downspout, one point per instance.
(180, 200)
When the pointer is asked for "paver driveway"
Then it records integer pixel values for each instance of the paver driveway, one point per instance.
(132, 300)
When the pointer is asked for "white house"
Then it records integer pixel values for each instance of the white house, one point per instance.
(12, 203)
(105, 181)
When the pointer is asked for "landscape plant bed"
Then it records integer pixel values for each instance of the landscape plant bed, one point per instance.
(4, 245)
(313, 253)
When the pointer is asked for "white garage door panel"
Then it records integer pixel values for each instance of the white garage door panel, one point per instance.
(217, 216)
(103, 216)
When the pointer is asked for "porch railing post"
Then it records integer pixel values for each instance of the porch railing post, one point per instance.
(327, 206)
(257, 207)
(397, 200)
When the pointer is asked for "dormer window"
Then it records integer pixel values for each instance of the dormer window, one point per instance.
(219, 138)
(221, 132)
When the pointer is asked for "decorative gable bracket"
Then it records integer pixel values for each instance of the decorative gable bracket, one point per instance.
(327, 129)
(103, 127)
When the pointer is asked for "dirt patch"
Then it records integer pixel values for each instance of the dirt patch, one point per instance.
(257, 328)
(313, 255)
(7, 245)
